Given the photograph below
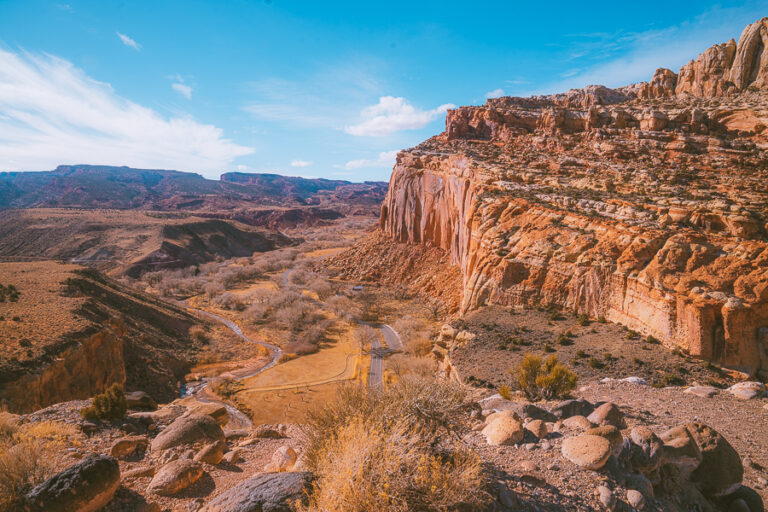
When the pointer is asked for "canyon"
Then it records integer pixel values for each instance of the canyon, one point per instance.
(646, 205)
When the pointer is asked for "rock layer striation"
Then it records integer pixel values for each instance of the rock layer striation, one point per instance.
(646, 205)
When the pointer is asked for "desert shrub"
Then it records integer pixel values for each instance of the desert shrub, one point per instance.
(402, 365)
(601, 319)
(564, 340)
(10, 292)
(27, 455)
(377, 450)
(108, 405)
(343, 307)
(580, 354)
(583, 320)
(595, 363)
(198, 334)
(548, 379)
(322, 287)
(213, 289)
(505, 392)
(365, 335)
(226, 387)
(415, 334)
(549, 348)
(231, 301)
(255, 313)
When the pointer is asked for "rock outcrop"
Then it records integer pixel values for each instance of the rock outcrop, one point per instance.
(645, 205)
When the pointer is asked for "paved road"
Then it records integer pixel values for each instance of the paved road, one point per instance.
(375, 377)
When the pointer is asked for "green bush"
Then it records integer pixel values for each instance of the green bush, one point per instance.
(583, 320)
(108, 405)
(505, 392)
(544, 379)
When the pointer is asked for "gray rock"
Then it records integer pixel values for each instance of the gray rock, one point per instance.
(568, 408)
(263, 492)
(85, 487)
(139, 400)
(635, 499)
(606, 497)
(608, 414)
(646, 450)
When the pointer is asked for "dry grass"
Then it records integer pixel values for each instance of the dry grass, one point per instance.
(379, 450)
(27, 455)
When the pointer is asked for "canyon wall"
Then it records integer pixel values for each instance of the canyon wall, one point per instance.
(646, 205)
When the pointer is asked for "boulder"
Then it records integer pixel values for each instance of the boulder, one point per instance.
(587, 451)
(720, 471)
(579, 423)
(85, 487)
(646, 450)
(702, 391)
(747, 390)
(128, 445)
(447, 332)
(577, 407)
(263, 492)
(211, 453)
(505, 429)
(607, 497)
(232, 456)
(635, 499)
(175, 477)
(612, 434)
(139, 400)
(267, 432)
(680, 450)
(283, 459)
(188, 429)
(216, 411)
(538, 428)
(607, 414)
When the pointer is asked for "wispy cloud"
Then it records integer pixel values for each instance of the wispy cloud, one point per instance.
(52, 113)
(182, 89)
(496, 93)
(300, 163)
(385, 159)
(127, 41)
(616, 59)
(391, 115)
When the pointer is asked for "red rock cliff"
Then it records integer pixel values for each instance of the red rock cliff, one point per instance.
(646, 205)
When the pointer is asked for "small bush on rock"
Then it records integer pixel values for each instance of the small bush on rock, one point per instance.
(108, 405)
(544, 379)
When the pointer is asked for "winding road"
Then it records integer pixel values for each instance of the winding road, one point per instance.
(375, 376)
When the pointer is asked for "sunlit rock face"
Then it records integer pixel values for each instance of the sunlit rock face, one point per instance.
(647, 205)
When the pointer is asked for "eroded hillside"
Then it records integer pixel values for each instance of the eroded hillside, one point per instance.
(646, 205)
(72, 332)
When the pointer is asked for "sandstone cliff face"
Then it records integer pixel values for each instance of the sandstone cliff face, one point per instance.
(645, 205)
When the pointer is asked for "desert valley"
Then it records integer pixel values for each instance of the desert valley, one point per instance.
(559, 303)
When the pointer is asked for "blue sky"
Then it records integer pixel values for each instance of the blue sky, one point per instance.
(329, 89)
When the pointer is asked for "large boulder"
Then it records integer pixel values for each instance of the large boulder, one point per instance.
(720, 471)
(587, 451)
(263, 492)
(612, 434)
(705, 457)
(188, 429)
(84, 487)
(646, 450)
(175, 477)
(504, 429)
(283, 459)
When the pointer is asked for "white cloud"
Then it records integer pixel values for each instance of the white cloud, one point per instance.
(385, 159)
(127, 41)
(496, 93)
(300, 163)
(617, 59)
(182, 89)
(391, 115)
(52, 113)
(242, 167)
